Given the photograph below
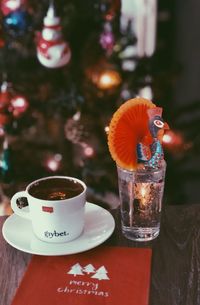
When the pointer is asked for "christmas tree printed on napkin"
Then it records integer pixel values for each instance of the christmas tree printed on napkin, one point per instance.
(100, 273)
(106, 275)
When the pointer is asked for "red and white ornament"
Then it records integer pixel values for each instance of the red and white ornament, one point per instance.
(9, 6)
(18, 105)
(11, 106)
(52, 50)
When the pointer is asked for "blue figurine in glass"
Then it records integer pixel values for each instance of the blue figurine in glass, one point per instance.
(152, 156)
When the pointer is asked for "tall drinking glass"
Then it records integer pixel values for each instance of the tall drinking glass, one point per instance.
(141, 194)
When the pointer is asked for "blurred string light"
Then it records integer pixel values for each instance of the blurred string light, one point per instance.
(88, 150)
(9, 6)
(104, 74)
(172, 138)
(106, 129)
(12, 105)
(77, 116)
(175, 143)
(146, 92)
(19, 105)
(53, 163)
(108, 79)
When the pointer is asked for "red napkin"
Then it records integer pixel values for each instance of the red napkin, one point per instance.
(105, 275)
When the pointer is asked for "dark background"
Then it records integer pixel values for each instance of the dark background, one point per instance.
(47, 129)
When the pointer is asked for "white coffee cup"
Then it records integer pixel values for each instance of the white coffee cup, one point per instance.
(54, 219)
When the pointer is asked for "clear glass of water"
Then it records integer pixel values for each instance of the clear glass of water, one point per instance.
(141, 194)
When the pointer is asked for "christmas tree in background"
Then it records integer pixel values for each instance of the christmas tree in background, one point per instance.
(65, 68)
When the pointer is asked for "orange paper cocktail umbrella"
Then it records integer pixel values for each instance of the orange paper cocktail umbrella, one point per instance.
(128, 127)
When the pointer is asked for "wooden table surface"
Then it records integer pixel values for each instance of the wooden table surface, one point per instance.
(175, 276)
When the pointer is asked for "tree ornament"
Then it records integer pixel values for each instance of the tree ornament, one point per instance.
(52, 50)
(107, 39)
(17, 23)
(11, 106)
(5, 98)
(9, 6)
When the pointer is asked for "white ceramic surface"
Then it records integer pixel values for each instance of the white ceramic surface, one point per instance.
(99, 225)
(54, 221)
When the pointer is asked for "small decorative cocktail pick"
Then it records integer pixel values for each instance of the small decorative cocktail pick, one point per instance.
(135, 135)
(155, 150)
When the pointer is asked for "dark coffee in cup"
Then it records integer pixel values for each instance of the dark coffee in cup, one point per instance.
(55, 189)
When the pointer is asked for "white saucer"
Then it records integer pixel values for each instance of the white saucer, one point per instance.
(99, 225)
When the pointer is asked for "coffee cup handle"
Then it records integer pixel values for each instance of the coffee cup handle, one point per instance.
(20, 212)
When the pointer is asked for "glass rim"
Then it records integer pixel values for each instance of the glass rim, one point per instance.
(31, 184)
(145, 170)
